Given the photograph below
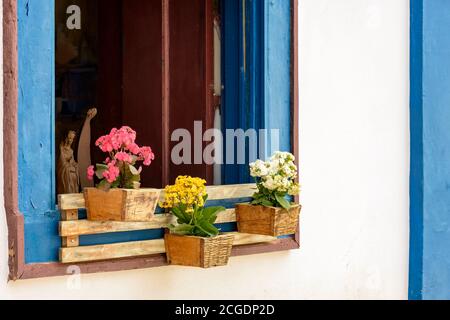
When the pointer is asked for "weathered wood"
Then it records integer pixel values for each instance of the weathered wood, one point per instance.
(86, 227)
(76, 201)
(197, 251)
(184, 251)
(70, 242)
(73, 201)
(111, 251)
(136, 249)
(73, 240)
(121, 204)
(267, 220)
(231, 191)
(69, 215)
(241, 239)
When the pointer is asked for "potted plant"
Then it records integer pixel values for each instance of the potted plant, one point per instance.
(118, 196)
(271, 213)
(194, 241)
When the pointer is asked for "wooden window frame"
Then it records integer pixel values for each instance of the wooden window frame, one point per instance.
(18, 269)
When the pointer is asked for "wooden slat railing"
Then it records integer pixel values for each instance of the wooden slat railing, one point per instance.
(70, 228)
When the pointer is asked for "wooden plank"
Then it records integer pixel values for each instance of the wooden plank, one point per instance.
(73, 240)
(231, 191)
(111, 251)
(69, 215)
(242, 239)
(138, 249)
(85, 227)
(70, 242)
(76, 201)
(71, 201)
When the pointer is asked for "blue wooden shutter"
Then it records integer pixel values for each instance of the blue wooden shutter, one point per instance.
(256, 37)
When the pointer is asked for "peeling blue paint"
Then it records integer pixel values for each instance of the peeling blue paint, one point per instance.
(36, 107)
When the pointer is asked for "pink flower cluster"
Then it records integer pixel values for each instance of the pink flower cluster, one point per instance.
(117, 140)
(121, 146)
(147, 155)
(112, 173)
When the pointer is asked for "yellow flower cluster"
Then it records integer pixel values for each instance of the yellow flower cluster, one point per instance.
(187, 191)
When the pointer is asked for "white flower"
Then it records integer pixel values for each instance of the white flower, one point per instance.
(294, 190)
(259, 169)
(278, 174)
(283, 156)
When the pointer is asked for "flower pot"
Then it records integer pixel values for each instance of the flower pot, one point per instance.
(121, 204)
(267, 221)
(198, 252)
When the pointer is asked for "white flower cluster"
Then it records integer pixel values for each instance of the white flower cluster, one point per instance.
(278, 174)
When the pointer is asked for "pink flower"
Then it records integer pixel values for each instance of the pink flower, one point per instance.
(122, 138)
(120, 144)
(147, 155)
(112, 173)
(90, 173)
(105, 144)
(134, 148)
(124, 157)
(129, 135)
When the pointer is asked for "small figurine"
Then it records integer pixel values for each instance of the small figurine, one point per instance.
(67, 168)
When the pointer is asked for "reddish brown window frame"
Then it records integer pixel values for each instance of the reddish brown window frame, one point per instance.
(18, 269)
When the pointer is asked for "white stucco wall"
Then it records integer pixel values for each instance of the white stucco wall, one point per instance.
(354, 165)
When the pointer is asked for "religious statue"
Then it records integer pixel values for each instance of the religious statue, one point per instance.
(67, 168)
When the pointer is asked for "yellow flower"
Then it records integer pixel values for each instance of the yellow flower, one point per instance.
(187, 191)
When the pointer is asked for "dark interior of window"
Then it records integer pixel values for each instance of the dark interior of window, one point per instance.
(115, 64)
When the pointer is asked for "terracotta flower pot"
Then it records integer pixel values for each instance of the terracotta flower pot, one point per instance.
(267, 221)
(198, 252)
(121, 204)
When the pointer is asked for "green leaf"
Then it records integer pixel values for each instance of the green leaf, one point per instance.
(258, 195)
(133, 170)
(208, 228)
(210, 213)
(101, 168)
(136, 185)
(282, 201)
(267, 203)
(104, 185)
(181, 216)
(182, 229)
(115, 184)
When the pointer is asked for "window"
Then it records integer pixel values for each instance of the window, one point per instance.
(257, 81)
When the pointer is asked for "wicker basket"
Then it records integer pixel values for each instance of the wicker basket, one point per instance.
(267, 221)
(198, 252)
(121, 204)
